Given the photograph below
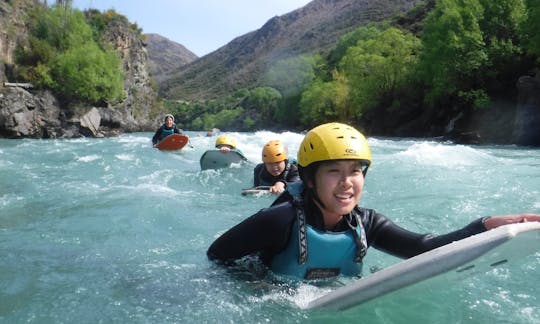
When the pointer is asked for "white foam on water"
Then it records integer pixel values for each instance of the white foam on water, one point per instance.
(88, 158)
(126, 157)
(445, 155)
(306, 293)
(7, 199)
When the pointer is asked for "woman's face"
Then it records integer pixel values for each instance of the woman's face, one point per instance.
(339, 186)
(168, 122)
(275, 168)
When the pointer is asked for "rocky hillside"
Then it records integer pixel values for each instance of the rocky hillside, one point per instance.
(244, 61)
(166, 55)
(12, 29)
(29, 112)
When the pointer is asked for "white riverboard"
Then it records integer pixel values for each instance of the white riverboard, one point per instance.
(453, 262)
(216, 159)
(255, 191)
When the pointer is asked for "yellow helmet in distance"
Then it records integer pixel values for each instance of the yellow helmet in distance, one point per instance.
(274, 151)
(226, 140)
(334, 141)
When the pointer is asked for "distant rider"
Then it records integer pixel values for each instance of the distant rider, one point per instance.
(168, 128)
(227, 143)
(276, 170)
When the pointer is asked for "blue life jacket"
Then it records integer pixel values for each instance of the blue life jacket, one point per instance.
(166, 132)
(314, 254)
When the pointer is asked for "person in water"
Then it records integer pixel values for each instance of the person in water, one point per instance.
(276, 170)
(168, 128)
(226, 143)
(316, 229)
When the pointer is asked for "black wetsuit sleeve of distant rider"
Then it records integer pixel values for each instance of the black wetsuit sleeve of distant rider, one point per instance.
(385, 235)
(293, 175)
(256, 174)
(155, 139)
(265, 233)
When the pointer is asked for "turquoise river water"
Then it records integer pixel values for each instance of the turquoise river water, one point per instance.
(114, 231)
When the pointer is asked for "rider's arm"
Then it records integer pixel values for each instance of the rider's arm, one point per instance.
(385, 235)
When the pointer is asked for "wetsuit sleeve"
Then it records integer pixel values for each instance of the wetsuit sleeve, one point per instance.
(293, 175)
(266, 232)
(256, 173)
(155, 139)
(385, 235)
(176, 130)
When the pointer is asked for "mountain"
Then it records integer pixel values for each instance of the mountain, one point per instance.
(243, 62)
(166, 55)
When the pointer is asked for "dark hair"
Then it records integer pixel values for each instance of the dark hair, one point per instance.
(307, 174)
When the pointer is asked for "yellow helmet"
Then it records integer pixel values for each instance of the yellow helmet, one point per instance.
(226, 140)
(274, 151)
(333, 141)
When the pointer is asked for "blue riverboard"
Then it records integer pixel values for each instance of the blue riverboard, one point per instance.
(450, 263)
(216, 159)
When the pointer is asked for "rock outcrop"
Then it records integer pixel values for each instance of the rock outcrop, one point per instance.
(25, 114)
(38, 114)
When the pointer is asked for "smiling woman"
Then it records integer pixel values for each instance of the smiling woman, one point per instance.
(201, 26)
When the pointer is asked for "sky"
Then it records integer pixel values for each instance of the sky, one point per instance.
(201, 26)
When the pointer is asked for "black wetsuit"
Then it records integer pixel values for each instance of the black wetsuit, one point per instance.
(158, 135)
(261, 176)
(267, 233)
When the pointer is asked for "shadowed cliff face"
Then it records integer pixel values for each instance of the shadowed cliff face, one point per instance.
(527, 120)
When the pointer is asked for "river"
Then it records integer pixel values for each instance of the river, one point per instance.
(113, 231)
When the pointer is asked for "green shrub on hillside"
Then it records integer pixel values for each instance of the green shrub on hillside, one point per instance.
(61, 54)
(530, 28)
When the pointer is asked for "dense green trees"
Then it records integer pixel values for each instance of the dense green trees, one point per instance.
(63, 55)
(472, 49)
(530, 29)
(375, 66)
(325, 101)
(244, 110)
(454, 49)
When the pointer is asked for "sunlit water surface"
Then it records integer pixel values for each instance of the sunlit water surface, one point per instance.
(114, 231)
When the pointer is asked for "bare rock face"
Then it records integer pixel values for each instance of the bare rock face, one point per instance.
(527, 120)
(23, 114)
(166, 55)
(89, 123)
(135, 112)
